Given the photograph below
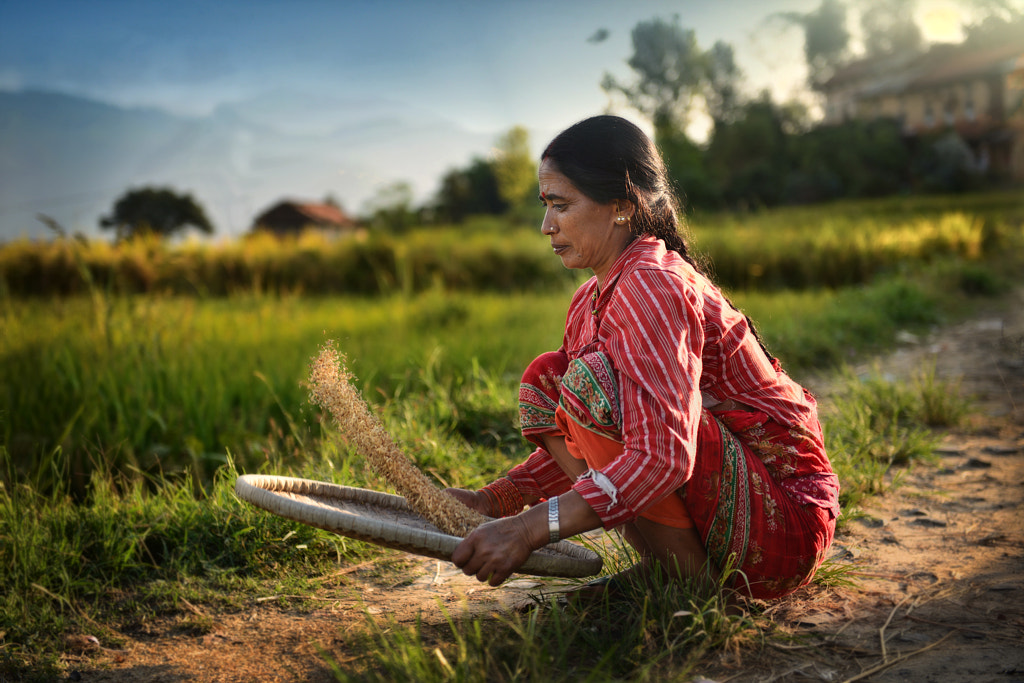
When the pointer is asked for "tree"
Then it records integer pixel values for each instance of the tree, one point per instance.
(154, 210)
(674, 80)
(674, 76)
(826, 39)
(391, 208)
(686, 164)
(851, 159)
(721, 90)
(514, 169)
(747, 158)
(889, 28)
(993, 21)
(469, 191)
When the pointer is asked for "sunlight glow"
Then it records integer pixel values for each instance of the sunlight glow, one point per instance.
(940, 21)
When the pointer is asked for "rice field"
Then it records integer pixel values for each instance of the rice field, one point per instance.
(843, 244)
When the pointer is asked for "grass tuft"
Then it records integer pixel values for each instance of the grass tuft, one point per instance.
(875, 422)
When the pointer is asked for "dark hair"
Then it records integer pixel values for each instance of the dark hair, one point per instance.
(608, 158)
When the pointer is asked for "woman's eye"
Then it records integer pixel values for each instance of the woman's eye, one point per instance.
(558, 207)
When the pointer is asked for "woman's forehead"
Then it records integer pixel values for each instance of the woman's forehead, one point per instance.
(548, 174)
(555, 186)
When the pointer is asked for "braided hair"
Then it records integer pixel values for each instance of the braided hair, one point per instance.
(608, 158)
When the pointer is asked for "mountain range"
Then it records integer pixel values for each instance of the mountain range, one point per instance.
(71, 157)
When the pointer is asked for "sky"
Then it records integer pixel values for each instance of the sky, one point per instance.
(487, 64)
(482, 65)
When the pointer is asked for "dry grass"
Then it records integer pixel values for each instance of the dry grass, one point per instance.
(331, 389)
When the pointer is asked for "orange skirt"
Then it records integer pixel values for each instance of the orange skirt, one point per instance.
(599, 451)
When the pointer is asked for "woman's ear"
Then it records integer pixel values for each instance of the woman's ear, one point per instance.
(625, 208)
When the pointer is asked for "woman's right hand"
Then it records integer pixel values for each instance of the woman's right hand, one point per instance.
(474, 500)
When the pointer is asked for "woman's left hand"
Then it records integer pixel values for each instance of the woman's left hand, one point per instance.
(495, 549)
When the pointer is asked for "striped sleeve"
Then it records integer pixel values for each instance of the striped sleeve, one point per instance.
(539, 475)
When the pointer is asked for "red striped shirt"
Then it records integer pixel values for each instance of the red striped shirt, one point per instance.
(672, 337)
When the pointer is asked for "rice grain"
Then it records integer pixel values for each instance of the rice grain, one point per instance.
(331, 388)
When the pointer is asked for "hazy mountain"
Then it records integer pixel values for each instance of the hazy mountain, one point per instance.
(70, 157)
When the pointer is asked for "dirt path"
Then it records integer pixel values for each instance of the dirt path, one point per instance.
(939, 594)
(940, 580)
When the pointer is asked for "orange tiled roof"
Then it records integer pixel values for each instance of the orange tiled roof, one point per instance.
(323, 213)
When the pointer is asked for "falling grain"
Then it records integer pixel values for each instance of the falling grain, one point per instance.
(331, 389)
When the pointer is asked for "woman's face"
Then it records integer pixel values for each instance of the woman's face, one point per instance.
(584, 233)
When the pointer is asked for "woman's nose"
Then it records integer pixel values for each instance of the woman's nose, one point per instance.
(547, 228)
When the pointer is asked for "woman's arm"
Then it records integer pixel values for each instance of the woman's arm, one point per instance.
(490, 505)
(493, 551)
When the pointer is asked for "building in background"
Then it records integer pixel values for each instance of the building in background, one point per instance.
(973, 91)
(292, 217)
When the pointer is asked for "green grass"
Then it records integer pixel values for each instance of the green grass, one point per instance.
(128, 552)
(825, 328)
(168, 385)
(875, 422)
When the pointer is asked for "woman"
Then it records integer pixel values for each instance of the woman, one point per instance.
(662, 414)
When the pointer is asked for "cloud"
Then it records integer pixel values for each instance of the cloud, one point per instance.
(10, 80)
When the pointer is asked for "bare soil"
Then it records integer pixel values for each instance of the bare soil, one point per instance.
(938, 568)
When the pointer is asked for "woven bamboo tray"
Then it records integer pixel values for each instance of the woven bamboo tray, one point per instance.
(387, 520)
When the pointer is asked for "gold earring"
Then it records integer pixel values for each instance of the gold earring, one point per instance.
(620, 219)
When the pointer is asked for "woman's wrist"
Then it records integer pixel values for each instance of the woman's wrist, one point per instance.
(575, 516)
(504, 498)
(535, 526)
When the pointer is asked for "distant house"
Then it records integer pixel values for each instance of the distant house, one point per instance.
(976, 91)
(292, 217)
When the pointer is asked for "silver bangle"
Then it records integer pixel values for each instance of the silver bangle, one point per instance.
(554, 529)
